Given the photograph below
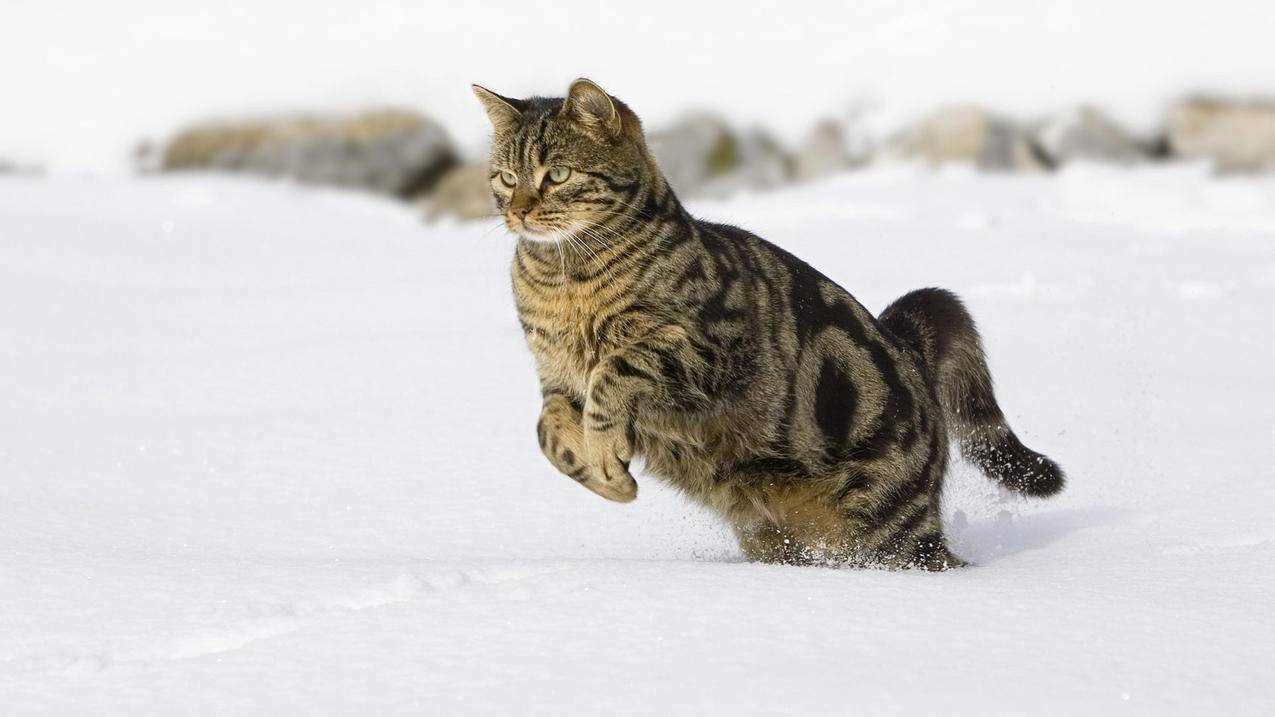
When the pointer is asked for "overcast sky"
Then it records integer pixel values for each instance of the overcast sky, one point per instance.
(83, 81)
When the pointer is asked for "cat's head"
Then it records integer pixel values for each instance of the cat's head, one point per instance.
(561, 166)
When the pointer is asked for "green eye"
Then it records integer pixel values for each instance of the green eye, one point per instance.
(508, 178)
(558, 174)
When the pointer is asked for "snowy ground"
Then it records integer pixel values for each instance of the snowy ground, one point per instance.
(268, 450)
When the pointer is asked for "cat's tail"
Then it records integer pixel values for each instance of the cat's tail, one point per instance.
(935, 323)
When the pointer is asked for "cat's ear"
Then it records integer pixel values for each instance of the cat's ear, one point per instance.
(503, 112)
(592, 107)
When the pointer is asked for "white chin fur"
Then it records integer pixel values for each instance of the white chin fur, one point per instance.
(548, 236)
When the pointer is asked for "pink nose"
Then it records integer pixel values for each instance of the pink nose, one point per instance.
(520, 212)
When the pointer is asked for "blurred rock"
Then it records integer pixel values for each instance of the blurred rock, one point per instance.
(1236, 135)
(967, 134)
(148, 157)
(693, 150)
(1087, 133)
(462, 193)
(701, 155)
(7, 167)
(823, 152)
(385, 151)
(761, 163)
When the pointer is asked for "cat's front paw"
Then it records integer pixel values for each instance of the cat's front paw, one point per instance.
(562, 440)
(607, 455)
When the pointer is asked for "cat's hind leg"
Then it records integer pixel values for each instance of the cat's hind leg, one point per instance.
(895, 520)
(765, 542)
(917, 542)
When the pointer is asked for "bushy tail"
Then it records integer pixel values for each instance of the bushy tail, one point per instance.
(935, 323)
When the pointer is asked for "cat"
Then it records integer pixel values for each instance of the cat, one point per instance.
(741, 375)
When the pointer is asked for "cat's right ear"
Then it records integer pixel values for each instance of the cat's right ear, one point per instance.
(503, 112)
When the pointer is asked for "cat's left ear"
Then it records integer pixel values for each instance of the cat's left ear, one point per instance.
(592, 107)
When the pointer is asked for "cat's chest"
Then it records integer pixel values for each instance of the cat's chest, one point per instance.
(560, 329)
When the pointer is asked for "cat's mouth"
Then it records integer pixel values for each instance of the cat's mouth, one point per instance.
(538, 233)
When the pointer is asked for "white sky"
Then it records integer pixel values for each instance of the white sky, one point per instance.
(82, 81)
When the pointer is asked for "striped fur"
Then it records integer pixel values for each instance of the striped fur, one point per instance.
(740, 374)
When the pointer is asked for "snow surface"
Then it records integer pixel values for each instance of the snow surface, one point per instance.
(270, 450)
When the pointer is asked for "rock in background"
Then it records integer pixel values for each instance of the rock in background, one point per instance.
(825, 151)
(967, 134)
(693, 150)
(7, 167)
(701, 155)
(1236, 135)
(1086, 133)
(401, 153)
(462, 193)
(761, 163)
(387, 151)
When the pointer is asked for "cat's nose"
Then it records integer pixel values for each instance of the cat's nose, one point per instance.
(521, 212)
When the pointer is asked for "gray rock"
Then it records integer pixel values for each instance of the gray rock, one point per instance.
(1087, 133)
(385, 151)
(966, 134)
(1236, 135)
(701, 155)
(7, 167)
(761, 163)
(463, 193)
(694, 150)
(823, 152)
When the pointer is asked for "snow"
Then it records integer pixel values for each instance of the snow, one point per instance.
(270, 450)
(84, 82)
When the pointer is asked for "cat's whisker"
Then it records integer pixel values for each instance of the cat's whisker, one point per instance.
(604, 266)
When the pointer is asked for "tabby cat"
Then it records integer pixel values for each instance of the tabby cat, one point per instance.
(740, 374)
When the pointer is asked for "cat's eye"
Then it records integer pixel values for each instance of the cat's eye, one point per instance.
(508, 178)
(559, 174)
